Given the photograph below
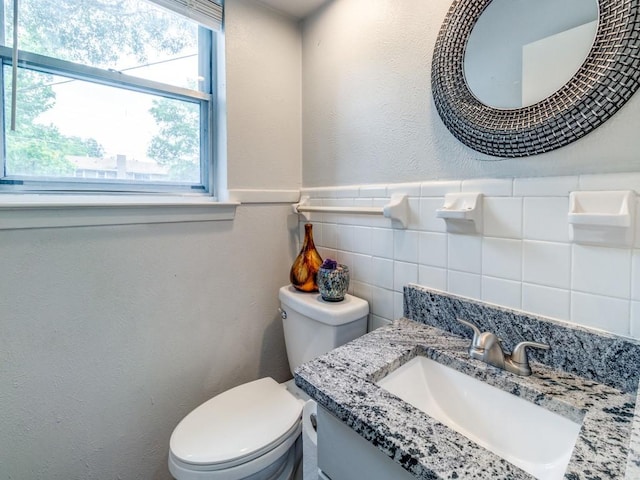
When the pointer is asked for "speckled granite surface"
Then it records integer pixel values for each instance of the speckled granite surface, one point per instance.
(343, 381)
(599, 356)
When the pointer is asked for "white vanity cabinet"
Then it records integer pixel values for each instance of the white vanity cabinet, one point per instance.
(345, 455)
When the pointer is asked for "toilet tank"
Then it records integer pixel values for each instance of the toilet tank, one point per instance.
(313, 326)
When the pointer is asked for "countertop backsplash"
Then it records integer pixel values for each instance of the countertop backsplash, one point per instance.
(592, 354)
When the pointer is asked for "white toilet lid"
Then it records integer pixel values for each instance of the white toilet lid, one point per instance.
(239, 423)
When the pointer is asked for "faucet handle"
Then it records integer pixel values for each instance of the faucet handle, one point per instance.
(476, 330)
(477, 334)
(519, 354)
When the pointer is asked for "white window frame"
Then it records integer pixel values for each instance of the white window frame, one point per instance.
(32, 203)
(53, 66)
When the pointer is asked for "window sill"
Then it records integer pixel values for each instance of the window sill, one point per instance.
(54, 211)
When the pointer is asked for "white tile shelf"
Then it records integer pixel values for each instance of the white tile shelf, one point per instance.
(462, 212)
(602, 217)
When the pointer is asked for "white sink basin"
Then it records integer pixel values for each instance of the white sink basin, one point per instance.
(538, 441)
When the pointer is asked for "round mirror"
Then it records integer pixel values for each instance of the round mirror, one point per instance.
(522, 51)
(602, 84)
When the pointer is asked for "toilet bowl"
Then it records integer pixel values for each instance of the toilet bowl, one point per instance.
(244, 431)
(253, 431)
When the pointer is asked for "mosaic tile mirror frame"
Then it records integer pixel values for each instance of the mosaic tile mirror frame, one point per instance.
(607, 79)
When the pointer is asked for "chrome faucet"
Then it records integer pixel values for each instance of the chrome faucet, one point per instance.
(487, 347)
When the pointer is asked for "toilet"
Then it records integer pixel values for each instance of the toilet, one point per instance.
(253, 431)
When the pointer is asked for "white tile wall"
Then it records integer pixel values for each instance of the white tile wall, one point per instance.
(546, 263)
(464, 253)
(544, 186)
(546, 301)
(362, 268)
(502, 258)
(545, 218)
(432, 277)
(373, 191)
(382, 304)
(502, 217)
(523, 259)
(398, 304)
(329, 238)
(465, 284)
(635, 319)
(405, 245)
(501, 292)
(382, 242)
(439, 189)
(635, 275)
(611, 181)
(606, 313)
(495, 187)
(432, 249)
(403, 274)
(601, 270)
(410, 189)
(428, 220)
(382, 272)
(362, 240)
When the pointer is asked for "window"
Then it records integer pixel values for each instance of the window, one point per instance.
(111, 95)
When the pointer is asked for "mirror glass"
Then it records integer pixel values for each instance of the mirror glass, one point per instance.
(522, 51)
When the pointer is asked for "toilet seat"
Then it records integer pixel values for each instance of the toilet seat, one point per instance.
(238, 432)
(278, 463)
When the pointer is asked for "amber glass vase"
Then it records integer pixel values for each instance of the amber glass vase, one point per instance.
(305, 268)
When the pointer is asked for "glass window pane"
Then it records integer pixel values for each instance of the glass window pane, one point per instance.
(130, 36)
(75, 130)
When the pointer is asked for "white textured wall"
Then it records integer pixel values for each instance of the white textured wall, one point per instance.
(110, 335)
(368, 114)
(263, 97)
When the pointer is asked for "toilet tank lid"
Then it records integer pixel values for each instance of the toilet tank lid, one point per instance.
(331, 313)
(236, 424)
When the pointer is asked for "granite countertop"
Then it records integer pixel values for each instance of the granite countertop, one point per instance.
(343, 382)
